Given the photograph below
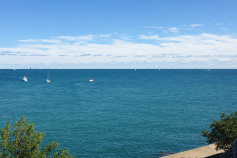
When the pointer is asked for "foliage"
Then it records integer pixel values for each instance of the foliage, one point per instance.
(24, 142)
(223, 132)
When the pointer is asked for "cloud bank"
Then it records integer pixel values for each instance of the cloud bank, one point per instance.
(203, 50)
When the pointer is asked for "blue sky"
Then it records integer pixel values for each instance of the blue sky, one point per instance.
(118, 34)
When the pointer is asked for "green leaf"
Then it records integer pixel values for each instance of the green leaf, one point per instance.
(25, 142)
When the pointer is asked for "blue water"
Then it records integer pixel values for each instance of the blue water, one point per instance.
(122, 113)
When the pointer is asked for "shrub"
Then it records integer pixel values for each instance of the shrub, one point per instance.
(223, 132)
(24, 142)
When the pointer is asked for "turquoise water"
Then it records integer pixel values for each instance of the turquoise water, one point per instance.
(122, 113)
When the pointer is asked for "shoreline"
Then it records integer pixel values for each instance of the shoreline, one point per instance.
(207, 151)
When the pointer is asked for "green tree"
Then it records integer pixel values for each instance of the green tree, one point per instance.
(24, 142)
(223, 132)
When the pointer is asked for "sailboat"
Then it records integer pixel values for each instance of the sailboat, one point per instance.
(48, 77)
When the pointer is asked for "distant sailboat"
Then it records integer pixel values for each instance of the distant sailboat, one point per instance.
(48, 77)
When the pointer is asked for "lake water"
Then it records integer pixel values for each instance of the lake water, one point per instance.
(122, 113)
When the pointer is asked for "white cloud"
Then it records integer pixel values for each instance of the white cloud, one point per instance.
(77, 38)
(106, 35)
(63, 55)
(154, 37)
(197, 48)
(225, 29)
(195, 25)
(140, 56)
(97, 55)
(153, 27)
(224, 59)
(173, 29)
(42, 40)
(50, 41)
(29, 40)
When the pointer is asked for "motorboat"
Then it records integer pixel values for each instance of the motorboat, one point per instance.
(25, 79)
(90, 79)
(48, 77)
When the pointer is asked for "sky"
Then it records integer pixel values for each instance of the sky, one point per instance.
(118, 34)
